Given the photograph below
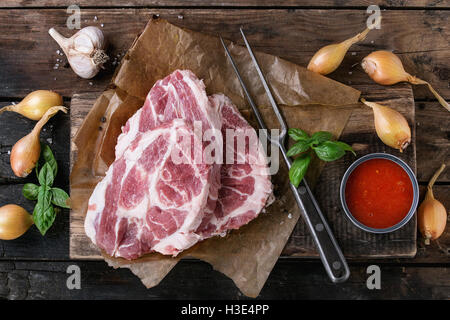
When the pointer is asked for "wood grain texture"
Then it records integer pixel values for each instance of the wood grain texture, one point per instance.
(230, 3)
(55, 133)
(433, 141)
(290, 279)
(360, 133)
(420, 37)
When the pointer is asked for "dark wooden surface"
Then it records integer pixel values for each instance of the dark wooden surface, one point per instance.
(35, 267)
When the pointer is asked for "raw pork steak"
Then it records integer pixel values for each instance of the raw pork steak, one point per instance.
(245, 182)
(180, 95)
(147, 201)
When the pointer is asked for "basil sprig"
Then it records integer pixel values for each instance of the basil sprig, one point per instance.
(44, 213)
(320, 142)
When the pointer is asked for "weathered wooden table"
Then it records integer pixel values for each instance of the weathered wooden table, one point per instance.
(34, 267)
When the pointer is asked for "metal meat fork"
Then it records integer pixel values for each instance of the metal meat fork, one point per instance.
(330, 253)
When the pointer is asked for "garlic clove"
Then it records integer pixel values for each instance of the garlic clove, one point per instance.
(84, 66)
(84, 50)
(89, 39)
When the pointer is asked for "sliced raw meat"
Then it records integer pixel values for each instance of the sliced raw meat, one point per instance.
(148, 201)
(245, 180)
(180, 95)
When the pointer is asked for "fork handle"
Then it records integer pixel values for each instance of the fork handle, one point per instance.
(330, 253)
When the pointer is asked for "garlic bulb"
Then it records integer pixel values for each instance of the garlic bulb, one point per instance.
(84, 50)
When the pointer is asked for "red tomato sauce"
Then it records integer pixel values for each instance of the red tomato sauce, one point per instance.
(379, 193)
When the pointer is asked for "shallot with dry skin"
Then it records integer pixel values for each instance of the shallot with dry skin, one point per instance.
(35, 104)
(25, 153)
(328, 58)
(385, 68)
(432, 215)
(392, 128)
(14, 221)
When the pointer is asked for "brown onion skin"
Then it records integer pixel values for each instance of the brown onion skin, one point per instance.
(432, 219)
(25, 154)
(14, 222)
(385, 68)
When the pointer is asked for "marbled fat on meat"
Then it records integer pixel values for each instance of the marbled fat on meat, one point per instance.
(121, 217)
(245, 182)
(146, 202)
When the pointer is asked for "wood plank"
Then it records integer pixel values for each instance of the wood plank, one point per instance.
(433, 141)
(418, 36)
(230, 3)
(355, 243)
(196, 280)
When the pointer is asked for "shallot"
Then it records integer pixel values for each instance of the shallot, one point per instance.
(432, 215)
(35, 104)
(385, 68)
(25, 153)
(14, 221)
(391, 126)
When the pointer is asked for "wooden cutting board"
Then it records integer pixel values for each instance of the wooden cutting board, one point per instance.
(360, 133)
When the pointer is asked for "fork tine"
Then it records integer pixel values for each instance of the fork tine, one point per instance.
(266, 88)
(249, 98)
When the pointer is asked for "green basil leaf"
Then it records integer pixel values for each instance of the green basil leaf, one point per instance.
(321, 136)
(47, 154)
(46, 176)
(59, 198)
(30, 191)
(298, 169)
(345, 146)
(298, 134)
(44, 213)
(299, 147)
(44, 218)
(329, 151)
